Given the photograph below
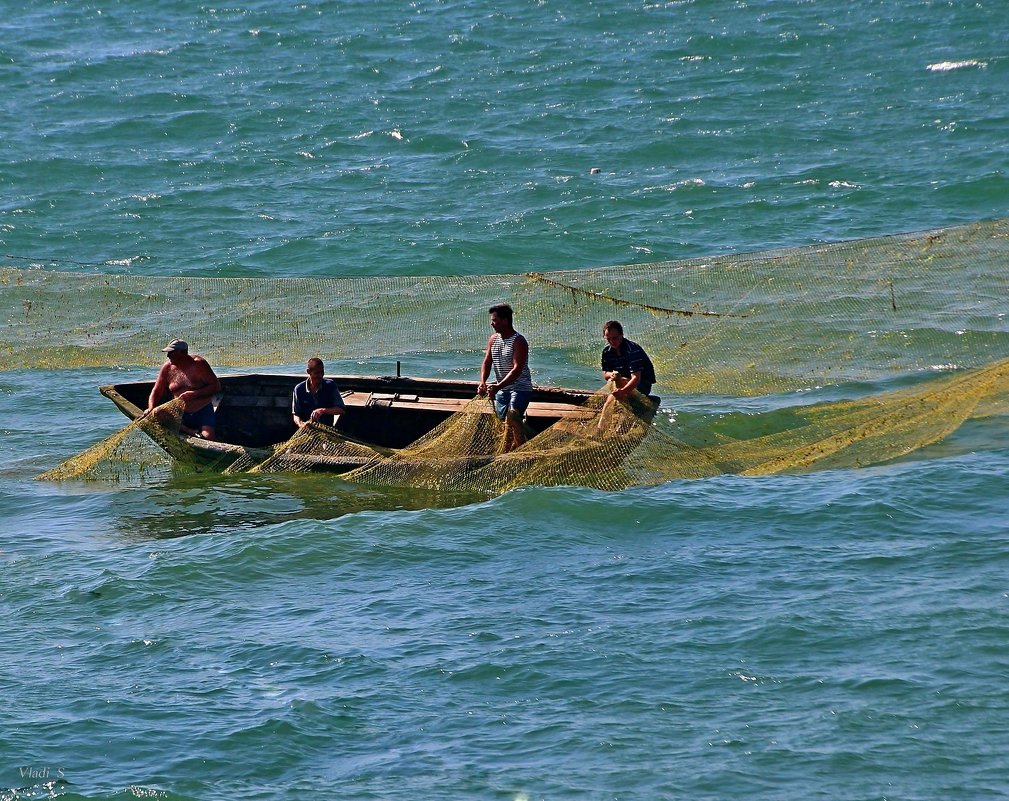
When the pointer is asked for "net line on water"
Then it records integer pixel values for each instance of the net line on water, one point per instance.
(611, 447)
(925, 309)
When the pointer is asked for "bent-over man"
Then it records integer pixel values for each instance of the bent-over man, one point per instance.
(192, 380)
(625, 363)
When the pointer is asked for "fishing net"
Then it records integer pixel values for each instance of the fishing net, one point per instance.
(312, 447)
(904, 335)
(148, 447)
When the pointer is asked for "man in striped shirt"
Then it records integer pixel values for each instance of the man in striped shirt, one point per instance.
(508, 353)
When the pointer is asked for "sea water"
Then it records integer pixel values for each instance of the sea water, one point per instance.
(834, 635)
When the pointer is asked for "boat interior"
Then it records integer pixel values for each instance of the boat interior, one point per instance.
(254, 410)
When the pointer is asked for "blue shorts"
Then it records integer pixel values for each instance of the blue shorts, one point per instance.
(203, 417)
(517, 399)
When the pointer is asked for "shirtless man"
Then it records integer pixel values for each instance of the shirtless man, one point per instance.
(192, 380)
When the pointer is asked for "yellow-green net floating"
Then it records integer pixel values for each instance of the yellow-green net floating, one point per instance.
(924, 312)
(127, 455)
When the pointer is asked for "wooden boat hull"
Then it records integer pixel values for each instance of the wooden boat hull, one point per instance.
(254, 414)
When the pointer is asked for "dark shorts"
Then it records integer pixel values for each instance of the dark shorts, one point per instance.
(204, 417)
(517, 399)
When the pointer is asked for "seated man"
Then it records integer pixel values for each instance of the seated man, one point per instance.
(192, 380)
(625, 363)
(317, 398)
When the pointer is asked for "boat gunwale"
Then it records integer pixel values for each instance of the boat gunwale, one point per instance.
(458, 390)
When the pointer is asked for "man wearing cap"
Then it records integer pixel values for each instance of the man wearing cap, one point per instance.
(192, 380)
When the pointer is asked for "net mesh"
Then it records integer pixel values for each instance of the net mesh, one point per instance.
(311, 446)
(923, 312)
(127, 456)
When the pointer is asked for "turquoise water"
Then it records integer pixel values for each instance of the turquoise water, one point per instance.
(837, 635)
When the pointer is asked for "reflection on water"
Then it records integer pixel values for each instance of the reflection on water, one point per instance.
(195, 503)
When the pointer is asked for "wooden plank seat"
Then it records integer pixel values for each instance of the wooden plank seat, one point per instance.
(413, 402)
(537, 409)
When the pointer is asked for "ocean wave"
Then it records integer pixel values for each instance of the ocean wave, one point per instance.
(949, 66)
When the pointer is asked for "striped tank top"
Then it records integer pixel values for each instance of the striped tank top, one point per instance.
(502, 353)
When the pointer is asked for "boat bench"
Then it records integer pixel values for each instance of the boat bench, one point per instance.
(413, 402)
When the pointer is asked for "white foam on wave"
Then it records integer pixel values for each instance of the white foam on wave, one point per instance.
(949, 66)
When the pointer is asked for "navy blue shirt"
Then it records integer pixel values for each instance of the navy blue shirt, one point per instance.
(630, 359)
(328, 396)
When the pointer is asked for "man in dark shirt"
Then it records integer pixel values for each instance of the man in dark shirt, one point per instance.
(625, 363)
(318, 398)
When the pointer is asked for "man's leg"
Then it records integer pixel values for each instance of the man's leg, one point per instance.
(516, 431)
(606, 413)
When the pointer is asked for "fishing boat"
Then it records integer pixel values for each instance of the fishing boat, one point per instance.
(254, 413)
